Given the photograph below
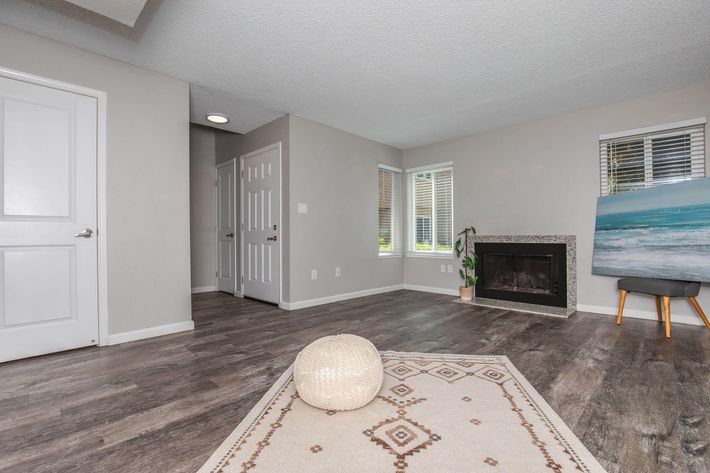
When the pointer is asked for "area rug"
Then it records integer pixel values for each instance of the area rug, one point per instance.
(435, 413)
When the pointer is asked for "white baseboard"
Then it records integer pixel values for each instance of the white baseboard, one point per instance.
(338, 297)
(199, 289)
(634, 313)
(435, 290)
(150, 332)
(639, 314)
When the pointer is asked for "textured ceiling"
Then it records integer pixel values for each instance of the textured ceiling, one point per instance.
(404, 72)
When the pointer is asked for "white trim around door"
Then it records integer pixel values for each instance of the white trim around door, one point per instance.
(276, 146)
(101, 185)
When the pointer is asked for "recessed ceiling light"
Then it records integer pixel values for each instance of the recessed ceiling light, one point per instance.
(217, 118)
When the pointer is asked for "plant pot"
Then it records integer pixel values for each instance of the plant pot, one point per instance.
(466, 293)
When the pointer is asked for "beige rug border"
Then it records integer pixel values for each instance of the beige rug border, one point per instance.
(214, 462)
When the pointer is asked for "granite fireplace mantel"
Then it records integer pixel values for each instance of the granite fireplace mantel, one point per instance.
(570, 242)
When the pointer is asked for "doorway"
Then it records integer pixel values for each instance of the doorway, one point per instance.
(226, 227)
(52, 214)
(261, 231)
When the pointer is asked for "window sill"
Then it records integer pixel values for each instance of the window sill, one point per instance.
(389, 255)
(414, 254)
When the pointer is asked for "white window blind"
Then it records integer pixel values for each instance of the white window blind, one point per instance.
(430, 204)
(656, 157)
(389, 184)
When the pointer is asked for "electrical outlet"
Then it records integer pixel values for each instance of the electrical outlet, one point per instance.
(450, 268)
(302, 208)
(337, 271)
(314, 274)
(443, 268)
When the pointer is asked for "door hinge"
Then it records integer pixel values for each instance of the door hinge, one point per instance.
(242, 279)
(216, 274)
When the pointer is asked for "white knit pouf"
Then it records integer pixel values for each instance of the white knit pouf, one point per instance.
(339, 372)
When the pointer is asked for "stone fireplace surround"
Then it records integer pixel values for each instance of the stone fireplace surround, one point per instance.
(571, 243)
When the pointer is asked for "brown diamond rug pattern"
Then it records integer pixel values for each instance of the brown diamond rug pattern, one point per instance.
(434, 413)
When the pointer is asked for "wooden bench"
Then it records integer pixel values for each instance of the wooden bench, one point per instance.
(664, 288)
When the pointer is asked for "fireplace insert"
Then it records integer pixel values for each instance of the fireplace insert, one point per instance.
(535, 273)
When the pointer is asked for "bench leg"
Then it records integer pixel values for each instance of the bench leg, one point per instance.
(667, 305)
(700, 312)
(658, 309)
(622, 300)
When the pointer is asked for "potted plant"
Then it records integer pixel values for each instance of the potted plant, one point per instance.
(468, 264)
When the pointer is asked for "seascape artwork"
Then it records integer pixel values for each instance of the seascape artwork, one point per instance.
(662, 232)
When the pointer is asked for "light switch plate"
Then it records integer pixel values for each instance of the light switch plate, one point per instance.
(337, 271)
(450, 269)
(302, 208)
(314, 274)
(443, 268)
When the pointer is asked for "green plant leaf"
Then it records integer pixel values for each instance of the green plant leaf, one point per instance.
(468, 261)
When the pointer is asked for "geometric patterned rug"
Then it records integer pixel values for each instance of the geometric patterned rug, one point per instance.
(434, 413)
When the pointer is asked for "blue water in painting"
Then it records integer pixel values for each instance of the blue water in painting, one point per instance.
(670, 243)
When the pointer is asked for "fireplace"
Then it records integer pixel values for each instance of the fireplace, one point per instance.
(533, 273)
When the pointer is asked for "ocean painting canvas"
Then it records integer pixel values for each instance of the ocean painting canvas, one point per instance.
(662, 232)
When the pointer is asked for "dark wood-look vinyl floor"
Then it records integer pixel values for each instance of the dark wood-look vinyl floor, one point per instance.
(639, 402)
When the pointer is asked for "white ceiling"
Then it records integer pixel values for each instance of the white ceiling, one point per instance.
(404, 72)
(123, 11)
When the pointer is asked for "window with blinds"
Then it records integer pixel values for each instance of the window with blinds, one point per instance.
(430, 204)
(651, 157)
(389, 184)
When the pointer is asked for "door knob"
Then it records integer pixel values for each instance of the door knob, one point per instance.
(230, 235)
(85, 233)
(273, 238)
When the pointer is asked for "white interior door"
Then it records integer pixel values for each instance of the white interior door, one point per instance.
(226, 227)
(48, 249)
(261, 224)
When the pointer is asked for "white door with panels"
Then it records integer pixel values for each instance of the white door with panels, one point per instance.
(48, 220)
(226, 226)
(261, 224)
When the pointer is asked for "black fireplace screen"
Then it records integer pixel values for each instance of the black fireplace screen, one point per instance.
(535, 273)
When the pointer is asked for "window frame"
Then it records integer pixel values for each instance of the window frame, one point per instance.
(647, 135)
(396, 236)
(411, 212)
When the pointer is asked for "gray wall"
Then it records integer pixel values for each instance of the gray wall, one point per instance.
(202, 206)
(148, 176)
(335, 173)
(542, 177)
(231, 145)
